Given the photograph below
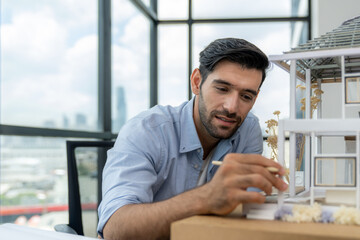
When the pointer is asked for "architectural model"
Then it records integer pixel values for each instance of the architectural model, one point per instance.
(328, 171)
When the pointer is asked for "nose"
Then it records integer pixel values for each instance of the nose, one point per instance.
(231, 103)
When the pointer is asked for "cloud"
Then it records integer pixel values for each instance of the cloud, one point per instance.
(173, 64)
(33, 38)
(122, 11)
(168, 9)
(274, 95)
(77, 14)
(130, 69)
(136, 35)
(80, 64)
(240, 8)
(36, 96)
(44, 76)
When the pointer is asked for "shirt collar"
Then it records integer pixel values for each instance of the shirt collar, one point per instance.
(189, 139)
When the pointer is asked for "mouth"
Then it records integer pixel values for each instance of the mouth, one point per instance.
(226, 121)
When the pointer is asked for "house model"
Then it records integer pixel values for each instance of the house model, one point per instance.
(324, 145)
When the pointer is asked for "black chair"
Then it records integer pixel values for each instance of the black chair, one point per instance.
(75, 225)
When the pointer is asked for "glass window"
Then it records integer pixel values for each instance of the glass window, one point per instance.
(173, 9)
(130, 62)
(33, 181)
(335, 171)
(248, 8)
(146, 2)
(49, 63)
(173, 67)
(87, 166)
(353, 90)
(272, 38)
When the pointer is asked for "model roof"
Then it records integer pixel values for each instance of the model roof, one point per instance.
(317, 54)
(345, 36)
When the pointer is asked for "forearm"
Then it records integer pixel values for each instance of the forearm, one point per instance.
(152, 221)
(220, 196)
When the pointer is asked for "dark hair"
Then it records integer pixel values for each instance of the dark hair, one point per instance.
(234, 50)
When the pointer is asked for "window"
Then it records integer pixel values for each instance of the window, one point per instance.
(173, 69)
(352, 89)
(49, 64)
(335, 171)
(130, 62)
(49, 93)
(248, 8)
(173, 9)
(33, 181)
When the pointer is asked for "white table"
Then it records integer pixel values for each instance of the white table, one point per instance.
(17, 232)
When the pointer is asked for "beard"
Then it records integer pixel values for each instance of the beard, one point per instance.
(221, 132)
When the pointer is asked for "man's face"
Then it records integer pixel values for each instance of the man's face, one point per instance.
(225, 99)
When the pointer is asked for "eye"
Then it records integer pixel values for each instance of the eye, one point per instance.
(221, 89)
(247, 97)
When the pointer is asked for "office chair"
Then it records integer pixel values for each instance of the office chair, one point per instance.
(75, 169)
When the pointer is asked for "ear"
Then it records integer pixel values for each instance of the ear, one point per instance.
(195, 81)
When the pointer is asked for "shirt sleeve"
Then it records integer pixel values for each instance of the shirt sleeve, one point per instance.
(130, 172)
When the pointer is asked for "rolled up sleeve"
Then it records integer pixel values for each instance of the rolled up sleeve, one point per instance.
(130, 172)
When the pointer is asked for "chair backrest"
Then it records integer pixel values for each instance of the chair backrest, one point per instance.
(80, 169)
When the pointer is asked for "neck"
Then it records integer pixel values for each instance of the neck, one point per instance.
(208, 146)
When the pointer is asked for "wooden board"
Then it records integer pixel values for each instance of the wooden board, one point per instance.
(230, 228)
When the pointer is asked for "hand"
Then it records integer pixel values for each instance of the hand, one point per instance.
(238, 172)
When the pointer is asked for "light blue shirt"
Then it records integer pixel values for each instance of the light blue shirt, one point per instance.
(158, 155)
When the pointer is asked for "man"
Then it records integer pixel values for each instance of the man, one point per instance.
(160, 168)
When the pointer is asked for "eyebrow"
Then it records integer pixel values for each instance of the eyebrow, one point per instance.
(223, 82)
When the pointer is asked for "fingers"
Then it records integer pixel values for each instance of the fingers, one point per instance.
(239, 172)
(254, 159)
(252, 180)
(271, 177)
(250, 197)
(245, 164)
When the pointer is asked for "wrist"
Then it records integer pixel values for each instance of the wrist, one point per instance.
(200, 199)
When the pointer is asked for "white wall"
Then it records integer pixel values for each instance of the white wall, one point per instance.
(332, 102)
(331, 108)
(330, 14)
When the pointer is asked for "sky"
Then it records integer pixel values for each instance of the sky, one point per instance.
(49, 56)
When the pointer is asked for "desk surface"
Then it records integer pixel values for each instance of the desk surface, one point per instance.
(230, 228)
(16, 232)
